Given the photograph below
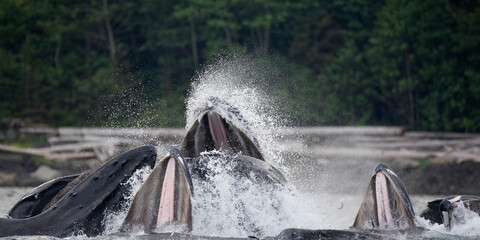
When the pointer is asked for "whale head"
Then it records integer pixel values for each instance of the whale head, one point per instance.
(451, 211)
(219, 126)
(163, 202)
(386, 204)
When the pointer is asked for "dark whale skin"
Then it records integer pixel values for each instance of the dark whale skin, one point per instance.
(34, 202)
(81, 209)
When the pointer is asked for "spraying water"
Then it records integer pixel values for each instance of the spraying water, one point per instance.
(243, 83)
(113, 220)
(226, 205)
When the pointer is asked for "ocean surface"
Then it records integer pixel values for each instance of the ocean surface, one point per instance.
(317, 211)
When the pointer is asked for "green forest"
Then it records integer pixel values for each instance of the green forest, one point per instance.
(346, 62)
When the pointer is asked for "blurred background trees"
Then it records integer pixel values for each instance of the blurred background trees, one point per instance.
(130, 63)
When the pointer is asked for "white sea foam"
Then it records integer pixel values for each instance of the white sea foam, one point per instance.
(226, 204)
(468, 226)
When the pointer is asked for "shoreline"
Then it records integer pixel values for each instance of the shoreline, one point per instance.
(427, 162)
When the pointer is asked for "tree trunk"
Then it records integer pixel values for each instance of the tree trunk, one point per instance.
(87, 41)
(87, 53)
(26, 56)
(57, 52)
(111, 38)
(266, 39)
(228, 35)
(27, 85)
(193, 36)
(410, 90)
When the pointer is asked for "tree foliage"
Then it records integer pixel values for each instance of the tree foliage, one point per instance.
(130, 63)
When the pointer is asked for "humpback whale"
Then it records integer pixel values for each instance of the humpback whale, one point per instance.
(163, 202)
(164, 199)
(217, 127)
(82, 208)
(386, 204)
(76, 204)
(450, 211)
(34, 202)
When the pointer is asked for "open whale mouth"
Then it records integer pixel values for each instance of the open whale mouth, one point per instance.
(214, 129)
(386, 204)
(452, 210)
(84, 203)
(163, 202)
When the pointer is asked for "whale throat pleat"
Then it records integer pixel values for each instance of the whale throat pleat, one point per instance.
(384, 211)
(166, 210)
(163, 202)
(218, 132)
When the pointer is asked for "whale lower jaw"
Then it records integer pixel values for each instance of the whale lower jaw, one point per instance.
(386, 204)
(163, 202)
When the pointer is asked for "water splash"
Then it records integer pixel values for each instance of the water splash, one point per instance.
(225, 205)
(231, 205)
(242, 82)
(467, 227)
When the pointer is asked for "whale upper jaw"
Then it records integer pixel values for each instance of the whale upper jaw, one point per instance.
(386, 204)
(219, 126)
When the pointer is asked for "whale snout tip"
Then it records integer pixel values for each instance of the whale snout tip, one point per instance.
(381, 167)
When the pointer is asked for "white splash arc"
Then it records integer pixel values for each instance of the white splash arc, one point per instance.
(225, 206)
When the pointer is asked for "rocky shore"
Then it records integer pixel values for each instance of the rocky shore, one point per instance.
(23, 170)
(428, 163)
(65, 151)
